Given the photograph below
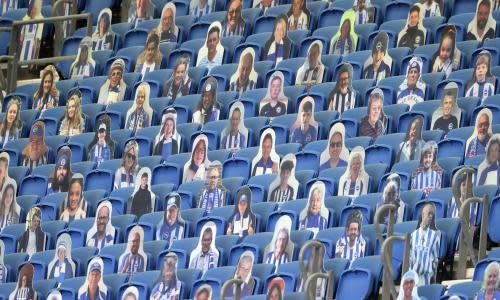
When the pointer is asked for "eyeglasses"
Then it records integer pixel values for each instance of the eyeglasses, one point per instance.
(116, 74)
(213, 177)
(337, 144)
(102, 218)
(131, 156)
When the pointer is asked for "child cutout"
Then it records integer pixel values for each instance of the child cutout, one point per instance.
(355, 181)
(314, 217)
(447, 116)
(168, 141)
(378, 65)
(267, 160)
(280, 250)
(286, 186)
(429, 175)
(143, 200)
(62, 266)
(482, 84)
(413, 33)
(336, 153)
(197, 166)
(305, 128)
(74, 206)
(235, 135)
(275, 102)
(213, 194)
(242, 222)
(447, 57)
(133, 260)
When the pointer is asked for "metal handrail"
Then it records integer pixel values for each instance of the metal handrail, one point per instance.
(466, 242)
(391, 208)
(14, 49)
(58, 10)
(229, 283)
(388, 287)
(311, 284)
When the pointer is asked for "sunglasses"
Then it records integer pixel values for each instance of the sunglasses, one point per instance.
(116, 74)
(131, 156)
(337, 144)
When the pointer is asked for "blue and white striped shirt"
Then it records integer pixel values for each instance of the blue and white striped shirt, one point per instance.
(425, 253)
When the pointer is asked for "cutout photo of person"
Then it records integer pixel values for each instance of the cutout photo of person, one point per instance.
(54, 295)
(47, 95)
(447, 57)
(313, 262)
(374, 124)
(133, 260)
(432, 8)
(275, 102)
(392, 195)
(196, 167)
(343, 95)
(94, 287)
(36, 151)
(4, 168)
(305, 128)
(103, 232)
(447, 116)
(84, 65)
(211, 53)
(278, 46)
(264, 4)
(3, 268)
(298, 16)
(140, 11)
(280, 250)
(168, 285)
(11, 125)
(102, 147)
(483, 25)
(425, 244)
(276, 289)
(378, 65)
(74, 206)
(213, 194)
(208, 108)
(244, 273)
(6, 6)
(235, 135)
(408, 288)
(233, 22)
(489, 170)
(169, 32)
(171, 227)
(336, 153)
(24, 287)
(168, 140)
(312, 71)
(199, 8)
(9, 208)
(33, 239)
(113, 90)
(126, 174)
(491, 280)
(150, 58)
(482, 83)
(73, 122)
(429, 175)
(179, 83)
(245, 78)
(413, 33)
(314, 217)
(355, 181)
(140, 114)
(345, 40)
(103, 37)
(351, 245)
(462, 189)
(285, 187)
(476, 143)
(143, 200)
(204, 292)
(131, 293)
(243, 221)
(205, 256)
(62, 265)
(267, 160)
(59, 180)
(411, 147)
(364, 12)
(412, 89)
(30, 37)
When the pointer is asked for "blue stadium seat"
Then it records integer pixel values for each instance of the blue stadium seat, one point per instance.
(469, 289)
(33, 185)
(13, 261)
(355, 284)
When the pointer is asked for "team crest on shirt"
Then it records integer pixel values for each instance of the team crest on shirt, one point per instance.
(278, 110)
(417, 40)
(450, 126)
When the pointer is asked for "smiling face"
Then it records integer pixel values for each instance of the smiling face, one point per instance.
(493, 153)
(74, 195)
(61, 173)
(335, 147)
(235, 120)
(242, 207)
(344, 80)
(481, 70)
(355, 166)
(245, 69)
(61, 254)
(71, 109)
(267, 146)
(199, 153)
(206, 241)
(279, 32)
(483, 12)
(115, 77)
(207, 99)
(234, 14)
(492, 279)
(141, 97)
(214, 178)
(315, 202)
(275, 88)
(281, 242)
(180, 73)
(244, 268)
(428, 158)
(169, 128)
(412, 79)
(414, 131)
(35, 223)
(353, 231)
(172, 215)
(447, 105)
(445, 48)
(102, 219)
(167, 19)
(375, 109)
(297, 7)
(150, 52)
(36, 143)
(413, 21)
(130, 158)
(12, 113)
(344, 30)
(47, 83)
(408, 288)
(427, 216)
(8, 197)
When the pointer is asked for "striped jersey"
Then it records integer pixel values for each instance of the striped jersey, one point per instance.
(424, 255)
